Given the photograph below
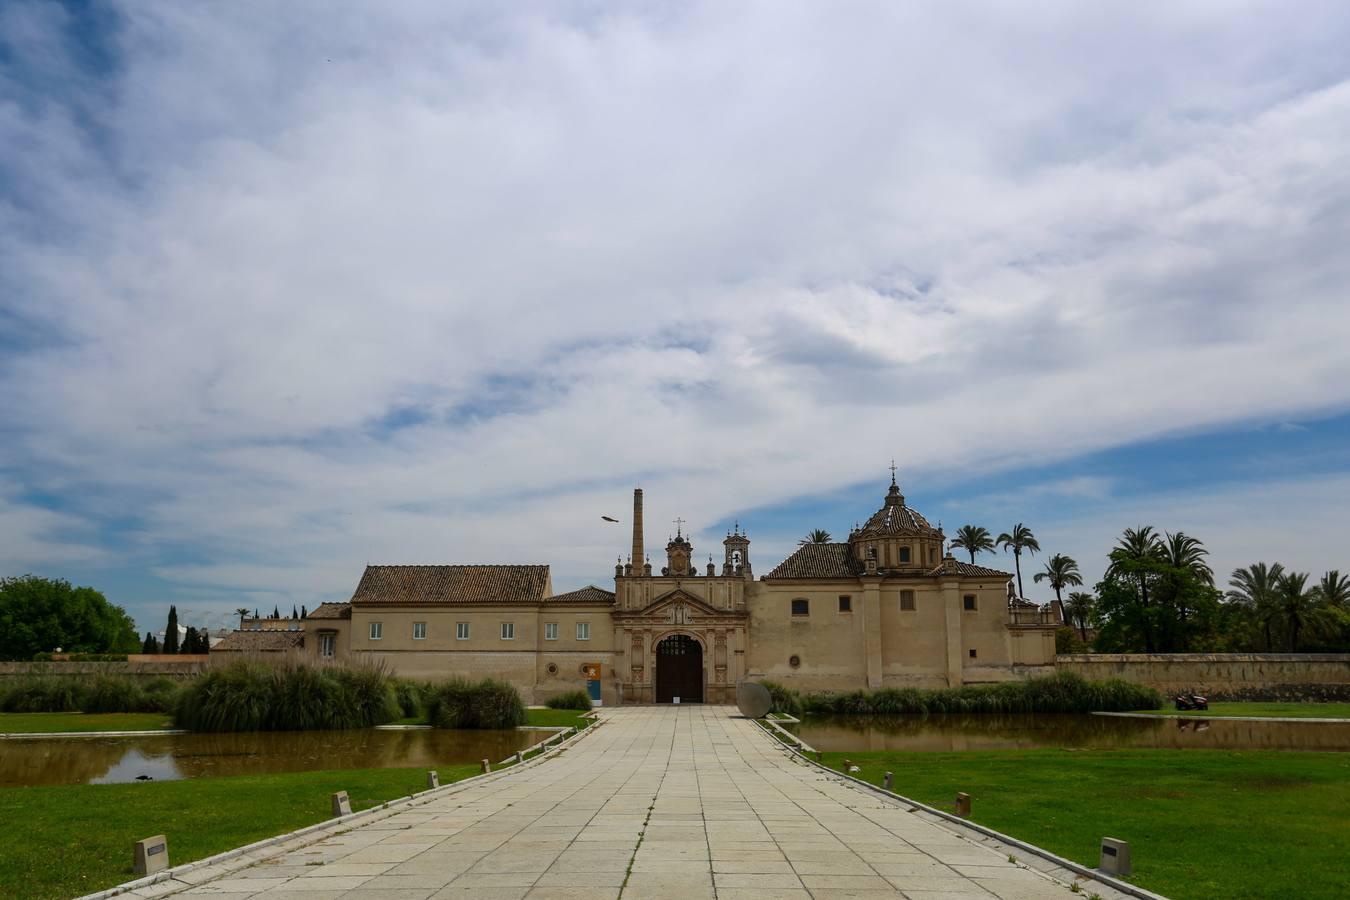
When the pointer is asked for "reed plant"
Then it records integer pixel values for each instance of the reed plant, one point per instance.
(570, 700)
(102, 692)
(40, 693)
(460, 703)
(251, 695)
(782, 699)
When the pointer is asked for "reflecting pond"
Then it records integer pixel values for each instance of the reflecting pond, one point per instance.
(110, 760)
(939, 733)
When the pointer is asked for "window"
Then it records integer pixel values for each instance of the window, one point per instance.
(550, 631)
(508, 631)
(376, 631)
(419, 631)
(907, 600)
(801, 607)
(461, 631)
(845, 603)
(583, 631)
(327, 644)
(972, 653)
(904, 554)
(969, 601)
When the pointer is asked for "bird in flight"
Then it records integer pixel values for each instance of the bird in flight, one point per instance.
(609, 519)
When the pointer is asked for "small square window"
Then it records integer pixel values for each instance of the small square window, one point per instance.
(907, 600)
(419, 631)
(801, 607)
(904, 554)
(461, 631)
(969, 601)
(972, 654)
(508, 631)
(845, 603)
(550, 631)
(583, 631)
(376, 631)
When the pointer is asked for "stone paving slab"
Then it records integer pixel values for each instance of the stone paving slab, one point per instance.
(660, 802)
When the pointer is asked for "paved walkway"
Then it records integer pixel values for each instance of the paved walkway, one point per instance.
(698, 802)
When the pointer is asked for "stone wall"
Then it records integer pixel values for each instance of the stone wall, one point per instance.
(1223, 676)
(136, 666)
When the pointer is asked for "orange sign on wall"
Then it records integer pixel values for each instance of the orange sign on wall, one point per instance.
(592, 671)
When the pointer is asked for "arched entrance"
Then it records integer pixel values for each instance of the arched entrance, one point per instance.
(679, 670)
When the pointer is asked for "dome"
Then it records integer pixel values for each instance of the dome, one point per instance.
(895, 518)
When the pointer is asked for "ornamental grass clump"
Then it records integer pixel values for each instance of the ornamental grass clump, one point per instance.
(782, 700)
(252, 695)
(40, 693)
(460, 703)
(570, 700)
(411, 696)
(112, 693)
(1063, 692)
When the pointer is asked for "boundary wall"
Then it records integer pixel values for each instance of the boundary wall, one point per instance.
(1223, 676)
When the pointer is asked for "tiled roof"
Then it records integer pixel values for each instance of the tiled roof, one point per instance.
(392, 585)
(967, 569)
(589, 594)
(818, 561)
(259, 641)
(331, 611)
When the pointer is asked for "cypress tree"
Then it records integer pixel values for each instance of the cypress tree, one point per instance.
(171, 631)
(151, 644)
(190, 641)
(303, 612)
(276, 612)
(294, 614)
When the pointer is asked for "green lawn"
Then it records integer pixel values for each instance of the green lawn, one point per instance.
(556, 718)
(1276, 710)
(77, 838)
(1200, 823)
(30, 723)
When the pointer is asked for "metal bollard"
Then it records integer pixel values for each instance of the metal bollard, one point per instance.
(888, 780)
(487, 767)
(963, 805)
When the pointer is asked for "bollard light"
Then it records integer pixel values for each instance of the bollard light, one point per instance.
(963, 805)
(888, 780)
(433, 779)
(150, 855)
(487, 767)
(1115, 857)
(342, 804)
(520, 756)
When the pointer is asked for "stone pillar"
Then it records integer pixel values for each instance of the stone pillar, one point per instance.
(951, 605)
(871, 625)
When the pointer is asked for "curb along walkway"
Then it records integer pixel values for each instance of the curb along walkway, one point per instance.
(682, 802)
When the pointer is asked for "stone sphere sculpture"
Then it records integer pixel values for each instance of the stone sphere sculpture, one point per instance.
(753, 699)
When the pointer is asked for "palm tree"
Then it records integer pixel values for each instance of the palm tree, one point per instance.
(1298, 604)
(1334, 589)
(1254, 589)
(1079, 609)
(1062, 571)
(974, 539)
(1020, 539)
(1181, 551)
(816, 536)
(242, 613)
(1137, 545)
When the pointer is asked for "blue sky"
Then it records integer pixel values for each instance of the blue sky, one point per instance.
(284, 291)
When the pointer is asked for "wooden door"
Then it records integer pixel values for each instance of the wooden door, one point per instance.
(679, 670)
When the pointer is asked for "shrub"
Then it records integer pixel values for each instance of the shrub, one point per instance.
(1063, 692)
(411, 696)
(114, 693)
(570, 700)
(782, 699)
(460, 703)
(257, 696)
(40, 693)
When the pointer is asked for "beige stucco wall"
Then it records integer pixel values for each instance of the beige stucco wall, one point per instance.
(1223, 675)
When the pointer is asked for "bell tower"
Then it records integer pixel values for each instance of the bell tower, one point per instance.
(737, 546)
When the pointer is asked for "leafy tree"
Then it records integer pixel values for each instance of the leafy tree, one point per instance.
(1019, 539)
(1136, 548)
(171, 631)
(1183, 612)
(1079, 610)
(974, 539)
(242, 613)
(37, 615)
(1062, 572)
(816, 536)
(1253, 590)
(151, 644)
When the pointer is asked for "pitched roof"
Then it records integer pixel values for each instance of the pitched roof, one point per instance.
(967, 569)
(331, 611)
(589, 594)
(259, 641)
(419, 585)
(817, 561)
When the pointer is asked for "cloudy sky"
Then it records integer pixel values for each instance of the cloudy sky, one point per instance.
(290, 288)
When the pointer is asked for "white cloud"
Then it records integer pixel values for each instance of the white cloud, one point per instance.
(735, 253)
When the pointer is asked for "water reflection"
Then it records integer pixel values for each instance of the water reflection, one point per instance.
(99, 760)
(1011, 732)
